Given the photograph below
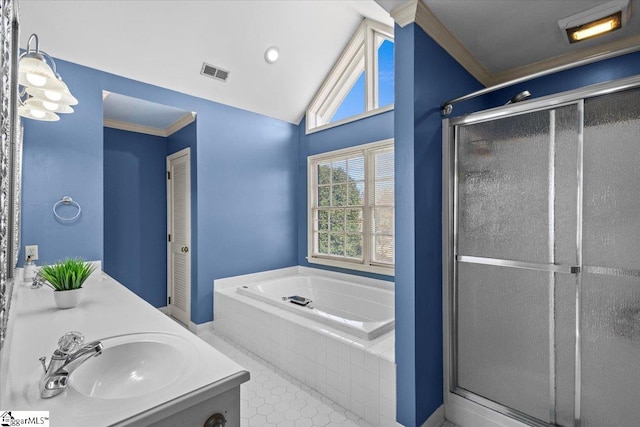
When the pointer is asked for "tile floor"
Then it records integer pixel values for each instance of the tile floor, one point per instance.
(272, 398)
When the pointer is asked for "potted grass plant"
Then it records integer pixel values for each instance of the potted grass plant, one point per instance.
(66, 278)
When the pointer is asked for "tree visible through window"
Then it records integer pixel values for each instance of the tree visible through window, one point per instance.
(352, 206)
(340, 204)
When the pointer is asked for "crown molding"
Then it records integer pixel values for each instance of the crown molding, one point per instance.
(405, 14)
(536, 67)
(131, 127)
(431, 25)
(183, 121)
(416, 11)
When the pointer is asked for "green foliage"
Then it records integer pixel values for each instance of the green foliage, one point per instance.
(340, 207)
(343, 191)
(340, 200)
(68, 274)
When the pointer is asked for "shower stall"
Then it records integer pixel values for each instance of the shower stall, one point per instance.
(541, 277)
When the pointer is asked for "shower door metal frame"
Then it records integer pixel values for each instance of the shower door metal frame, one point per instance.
(455, 397)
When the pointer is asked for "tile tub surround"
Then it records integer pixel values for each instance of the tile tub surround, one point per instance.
(357, 374)
(272, 398)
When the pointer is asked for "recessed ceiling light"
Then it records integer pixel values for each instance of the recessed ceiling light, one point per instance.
(596, 21)
(271, 54)
(595, 28)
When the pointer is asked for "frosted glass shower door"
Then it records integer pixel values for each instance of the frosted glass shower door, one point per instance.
(610, 303)
(516, 218)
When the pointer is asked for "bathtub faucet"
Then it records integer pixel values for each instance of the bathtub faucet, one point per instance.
(305, 302)
(65, 359)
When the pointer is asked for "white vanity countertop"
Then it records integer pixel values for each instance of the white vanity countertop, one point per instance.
(106, 309)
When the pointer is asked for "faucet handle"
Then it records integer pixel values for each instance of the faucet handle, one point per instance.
(70, 342)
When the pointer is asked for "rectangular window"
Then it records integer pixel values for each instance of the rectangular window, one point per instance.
(351, 208)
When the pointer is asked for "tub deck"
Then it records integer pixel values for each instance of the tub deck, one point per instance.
(363, 311)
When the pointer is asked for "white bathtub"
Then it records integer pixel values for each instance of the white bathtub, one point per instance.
(360, 310)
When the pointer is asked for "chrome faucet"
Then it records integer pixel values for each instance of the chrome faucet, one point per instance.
(38, 281)
(65, 359)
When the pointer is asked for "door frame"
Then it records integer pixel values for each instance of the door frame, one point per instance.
(170, 157)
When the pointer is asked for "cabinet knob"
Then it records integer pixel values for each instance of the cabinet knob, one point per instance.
(215, 420)
(185, 249)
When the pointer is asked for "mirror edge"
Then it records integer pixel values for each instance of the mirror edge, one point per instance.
(10, 159)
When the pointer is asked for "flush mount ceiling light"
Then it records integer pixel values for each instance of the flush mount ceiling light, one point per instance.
(271, 54)
(596, 21)
(596, 28)
(43, 92)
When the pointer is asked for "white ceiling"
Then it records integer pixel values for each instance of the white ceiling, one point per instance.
(121, 111)
(165, 42)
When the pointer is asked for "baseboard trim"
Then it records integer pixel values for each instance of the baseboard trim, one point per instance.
(436, 419)
(196, 328)
(163, 310)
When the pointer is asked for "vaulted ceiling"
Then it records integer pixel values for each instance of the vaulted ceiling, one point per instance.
(165, 42)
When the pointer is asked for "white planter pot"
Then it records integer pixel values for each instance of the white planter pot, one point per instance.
(67, 299)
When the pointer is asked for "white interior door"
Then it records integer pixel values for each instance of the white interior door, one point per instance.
(179, 235)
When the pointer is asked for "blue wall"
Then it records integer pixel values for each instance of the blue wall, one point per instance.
(245, 162)
(405, 226)
(135, 213)
(364, 131)
(425, 76)
(603, 71)
(64, 158)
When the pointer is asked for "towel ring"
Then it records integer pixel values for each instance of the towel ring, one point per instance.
(66, 200)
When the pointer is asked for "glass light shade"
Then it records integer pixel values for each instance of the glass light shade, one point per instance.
(53, 95)
(36, 79)
(58, 96)
(54, 107)
(37, 114)
(35, 72)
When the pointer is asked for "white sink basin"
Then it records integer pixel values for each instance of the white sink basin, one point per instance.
(134, 365)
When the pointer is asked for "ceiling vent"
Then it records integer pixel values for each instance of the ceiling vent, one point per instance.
(214, 72)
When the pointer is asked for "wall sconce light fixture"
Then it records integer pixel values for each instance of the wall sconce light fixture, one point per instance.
(44, 93)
